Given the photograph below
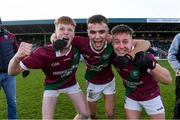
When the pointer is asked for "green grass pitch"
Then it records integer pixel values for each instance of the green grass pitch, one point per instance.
(30, 91)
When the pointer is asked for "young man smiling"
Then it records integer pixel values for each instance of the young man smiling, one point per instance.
(98, 53)
(140, 76)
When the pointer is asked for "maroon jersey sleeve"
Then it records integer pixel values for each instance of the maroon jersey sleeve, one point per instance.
(34, 61)
(150, 56)
(79, 41)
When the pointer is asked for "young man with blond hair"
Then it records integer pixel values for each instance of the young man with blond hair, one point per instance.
(59, 62)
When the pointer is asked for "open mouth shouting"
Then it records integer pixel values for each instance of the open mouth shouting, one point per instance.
(98, 46)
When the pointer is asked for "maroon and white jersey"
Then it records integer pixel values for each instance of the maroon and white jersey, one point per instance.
(98, 64)
(59, 71)
(139, 84)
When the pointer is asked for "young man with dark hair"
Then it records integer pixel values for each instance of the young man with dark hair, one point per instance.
(98, 53)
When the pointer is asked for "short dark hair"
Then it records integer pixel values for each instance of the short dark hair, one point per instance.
(97, 19)
(122, 29)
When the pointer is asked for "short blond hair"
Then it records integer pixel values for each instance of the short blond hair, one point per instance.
(64, 20)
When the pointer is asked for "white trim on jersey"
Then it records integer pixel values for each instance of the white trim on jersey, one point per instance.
(58, 53)
(23, 66)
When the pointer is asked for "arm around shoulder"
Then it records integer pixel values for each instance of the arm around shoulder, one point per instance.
(143, 44)
(140, 45)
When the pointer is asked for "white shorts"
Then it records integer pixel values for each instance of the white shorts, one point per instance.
(152, 107)
(55, 93)
(95, 92)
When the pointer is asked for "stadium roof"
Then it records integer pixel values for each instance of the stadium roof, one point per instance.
(138, 24)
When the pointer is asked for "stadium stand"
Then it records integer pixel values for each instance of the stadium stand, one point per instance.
(159, 32)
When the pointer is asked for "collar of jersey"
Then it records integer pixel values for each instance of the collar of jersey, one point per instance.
(66, 53)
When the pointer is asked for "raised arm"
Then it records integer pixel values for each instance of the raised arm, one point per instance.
(161, 74)
(147, 60)
(139, 45)
(24, 50)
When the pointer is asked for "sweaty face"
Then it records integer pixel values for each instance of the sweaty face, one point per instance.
(122, 43)
(65, 31)
(97, 34)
